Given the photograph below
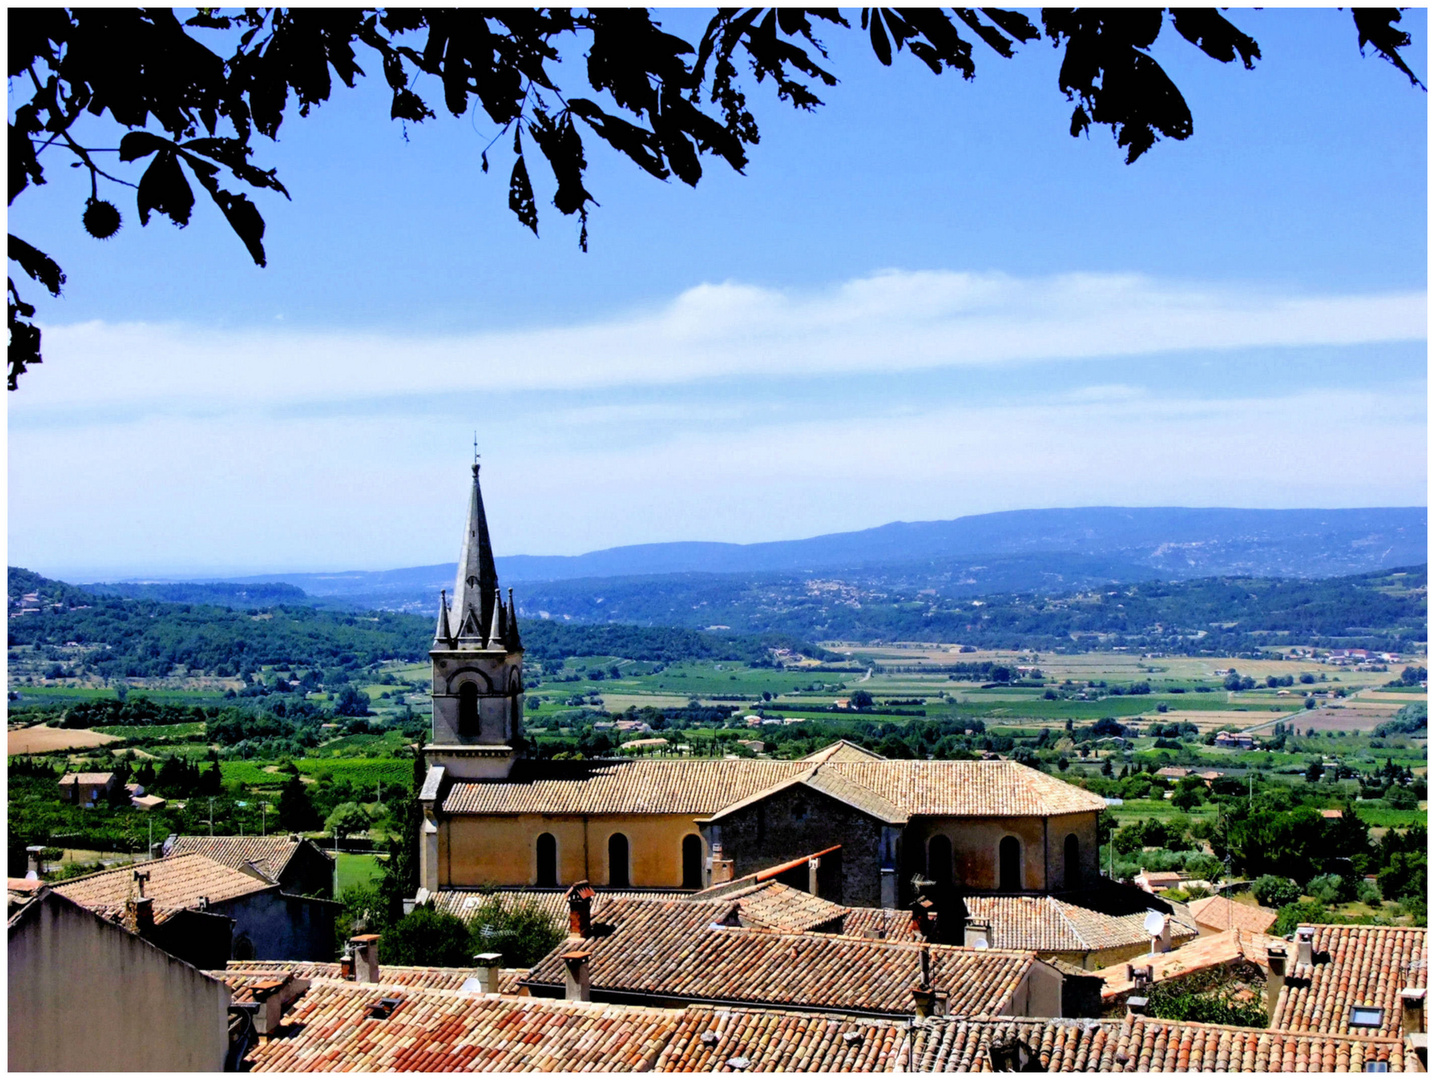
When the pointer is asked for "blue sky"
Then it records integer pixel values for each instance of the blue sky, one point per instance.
(924, 300)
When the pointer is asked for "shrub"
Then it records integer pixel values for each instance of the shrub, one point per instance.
(1327, 888)
(1368, 892)
(1293, 915)
(1275, 892)
(428, 937)
(523, 932)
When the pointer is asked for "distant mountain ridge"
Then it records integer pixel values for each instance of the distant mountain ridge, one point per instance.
(1133, 543)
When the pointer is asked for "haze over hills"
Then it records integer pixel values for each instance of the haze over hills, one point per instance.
(1056, 549)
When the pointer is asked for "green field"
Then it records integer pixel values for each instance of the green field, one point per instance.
(357, 870)
(155, 731)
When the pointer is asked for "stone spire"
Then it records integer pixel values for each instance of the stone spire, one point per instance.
(475, 592)
(495, 631)
(442, 635)
(515, 643)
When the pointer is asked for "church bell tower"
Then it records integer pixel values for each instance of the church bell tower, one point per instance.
(477, 660)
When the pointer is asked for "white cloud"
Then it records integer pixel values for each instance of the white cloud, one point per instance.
(891, 321)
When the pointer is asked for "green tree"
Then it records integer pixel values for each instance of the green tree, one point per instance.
(346, 819)
(522, 931)
(296, 811)
(429, 938)
(188, 98)
(1275, 892)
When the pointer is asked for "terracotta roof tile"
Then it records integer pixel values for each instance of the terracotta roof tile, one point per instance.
(175, 883)
(889, 924)
(674, 950)
(1046, 924)
(708, 1038)
(1205, 952)
(330, 1029)
(1223, 914)
(892, 790)
(271, 854)
(429, 978)
(1366, 965)
(775, 906)
(465, 903)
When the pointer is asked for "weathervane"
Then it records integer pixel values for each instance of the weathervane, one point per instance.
(475, 453)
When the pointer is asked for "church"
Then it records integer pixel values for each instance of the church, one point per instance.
(495, 817)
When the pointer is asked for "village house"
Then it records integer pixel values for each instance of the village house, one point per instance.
(89, 789)
(495, 818)
(87, 994)
(1217, 913)
(299, 865)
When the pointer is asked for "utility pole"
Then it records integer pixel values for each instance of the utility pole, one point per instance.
(211, 815)
(263, 824)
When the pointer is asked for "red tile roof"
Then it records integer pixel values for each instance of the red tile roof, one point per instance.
(271, 854)
(240, 972)
(1046, 924)
(330, 1029)
(1223, 914)
(891, 790)
(1356, 965)
(1227, 947)
(676, 951)
(708, 1038)
(175, 883)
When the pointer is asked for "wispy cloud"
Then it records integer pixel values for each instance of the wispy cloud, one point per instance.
(888, 322)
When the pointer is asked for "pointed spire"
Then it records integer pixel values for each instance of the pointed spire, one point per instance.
(442, 635)
(495, 631)
(477, 583)
(515, 643)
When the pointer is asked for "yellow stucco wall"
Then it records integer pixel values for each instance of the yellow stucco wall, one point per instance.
(502, 850)
(976, 841)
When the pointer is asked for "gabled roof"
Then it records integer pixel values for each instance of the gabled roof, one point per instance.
(175, 883)
(330, 1029)
(465, 903)
(1227, 947)
(270, 854)
(1356, 965)
(676, 950)
(243, 972)
(85, 778)
(22, 892)
(1223, 914)
(772, 905)
(842, 750)
(890, 790)
(1046, 924)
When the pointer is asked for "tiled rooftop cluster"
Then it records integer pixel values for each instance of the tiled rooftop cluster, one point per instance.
(1228, 947)
(1047, 924)
(892, 790)
(174, 883)
(679, 950)
(1225, 914)
(269, 854)
(1354, 966)
(428, 978)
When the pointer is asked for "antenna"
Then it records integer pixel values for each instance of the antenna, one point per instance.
(475, 451)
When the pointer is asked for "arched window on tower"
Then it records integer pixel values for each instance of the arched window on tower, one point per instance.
(547, 860)
(618, 861)
(939, 861)
(1009, 859)
(692, 862)
(468, 709)
(1071, 868)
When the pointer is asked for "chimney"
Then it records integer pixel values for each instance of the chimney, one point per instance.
(141, 912)
(1141, 977)
(141, 876)
(723, 869)
(977, 935)
(924, 1000)
(1163, 940)
(1412, 1010)
(489, 963)
(36, 862)
(813, 865)
(1136, 1006)
(366, 957)
(346, 964)
(271, 1000)
(922, 919)
(580, 910)
(577, 985)
(1304, 942)
(1276, 958)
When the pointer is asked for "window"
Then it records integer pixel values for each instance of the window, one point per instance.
(618, 861)
(692, 862)
(468, 709)
(547, 860)
(939, 860)
(1366, 1016)
(1072, 862)
(1009, 863)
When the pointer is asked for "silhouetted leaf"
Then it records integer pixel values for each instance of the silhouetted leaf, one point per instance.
(37, 264)
(164, 188)
(520, 191)
(1376, 26)
(1213, 35)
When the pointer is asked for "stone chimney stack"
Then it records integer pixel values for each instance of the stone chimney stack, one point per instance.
(1276, 958)
(141, 913)
(35, 869)
(1304, 945)
(580, 910)
(1136, 1006)
(923, 919)
(366, 957)
(577, 980)
(489, 964)
(977, 934)
(1141, 977)
(813, 865)
(722, 868)
(1412, 1011)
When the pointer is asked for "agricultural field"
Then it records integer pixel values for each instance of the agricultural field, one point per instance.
(43, 739)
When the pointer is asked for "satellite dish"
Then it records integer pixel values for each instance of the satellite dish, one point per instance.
(981, 944)
(1155, 923)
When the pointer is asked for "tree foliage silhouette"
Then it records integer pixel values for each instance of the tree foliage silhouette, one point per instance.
(188, 97)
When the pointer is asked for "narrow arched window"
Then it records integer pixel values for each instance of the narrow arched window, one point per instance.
(468, 709)
(1072, 859)
(618, 861)
(547, 860)
(1009, 858)
(939, 861)
(692, 862)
